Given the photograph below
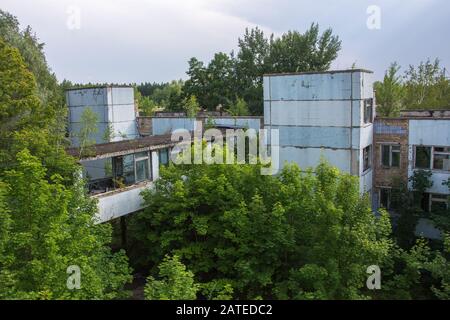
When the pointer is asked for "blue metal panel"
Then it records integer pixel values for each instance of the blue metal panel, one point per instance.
(167, 125)
(382, 128)
(328, 137)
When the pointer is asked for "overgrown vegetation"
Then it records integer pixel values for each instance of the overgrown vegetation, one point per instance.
(421, 87)
(46, 217)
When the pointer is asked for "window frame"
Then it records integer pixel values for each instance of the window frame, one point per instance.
(391, 151)
(167, 151)
(368, 116)
(389, 197)
(433, 152)
(433, 197)
(149, 167)
(369, 158)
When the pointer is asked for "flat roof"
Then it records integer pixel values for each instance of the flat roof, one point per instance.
(317, 72)
(117, 148)
(99, 87)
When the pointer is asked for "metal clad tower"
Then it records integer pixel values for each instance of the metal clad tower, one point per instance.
(114, 107)
(323, 114)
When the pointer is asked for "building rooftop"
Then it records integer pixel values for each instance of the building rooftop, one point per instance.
(99, 87)
(433, 114)
(317, 72)
(111, 149)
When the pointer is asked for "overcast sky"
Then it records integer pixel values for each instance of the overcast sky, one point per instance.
(126, 41)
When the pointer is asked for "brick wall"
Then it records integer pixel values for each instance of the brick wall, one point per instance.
(390, 131)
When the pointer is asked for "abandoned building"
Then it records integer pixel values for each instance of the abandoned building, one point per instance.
(128, 150)
(323, 114)
(328, 114)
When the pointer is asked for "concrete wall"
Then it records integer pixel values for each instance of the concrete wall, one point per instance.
(118, 203)
(429, 132)
(161, 125)
(248, 123)
(321, 115)
(114, 107)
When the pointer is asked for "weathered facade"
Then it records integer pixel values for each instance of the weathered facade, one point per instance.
(418, 140)
(323, 114)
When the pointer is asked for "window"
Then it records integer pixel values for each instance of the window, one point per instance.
(367, 158)
(142, 166)
(437, 158)
(164, 157)
(441, 158)
(385, 198)
(390, 155)
(132, 168)
(439, 202)
(435, 203)
(368, 110)
(128, 169)
(423, 157)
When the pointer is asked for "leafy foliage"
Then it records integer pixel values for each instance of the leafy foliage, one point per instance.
(422, 87)
(227, 77)
(265, 236)
(46, 218)
(176, 283)
(51, 229)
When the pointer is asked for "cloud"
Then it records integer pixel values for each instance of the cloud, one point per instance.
(152, 40)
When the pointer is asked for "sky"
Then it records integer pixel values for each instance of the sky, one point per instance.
(133, 41)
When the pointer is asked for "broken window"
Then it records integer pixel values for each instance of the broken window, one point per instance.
(439, 202)
(368, 110)
(367, 158)
(423, 157)
(441, 158)
(390, 155)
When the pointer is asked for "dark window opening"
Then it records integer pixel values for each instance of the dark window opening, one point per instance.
(385, 198)
(368, 110)
(390, 156)
(423, 157)
(367, 158)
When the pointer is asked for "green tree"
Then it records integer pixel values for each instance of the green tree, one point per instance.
(296, 52)
(231, 224)
(47, 219)
(51, 229)
(426, 86)
(389, 93)
(176, 282)
(52, 110)
(227, 77)
(238, 108)
(88, 127)
(191, 107)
